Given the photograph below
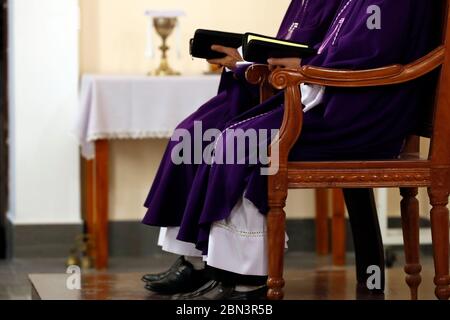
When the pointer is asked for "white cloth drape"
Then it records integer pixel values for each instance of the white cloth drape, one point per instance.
(312, 96)
(135, 107)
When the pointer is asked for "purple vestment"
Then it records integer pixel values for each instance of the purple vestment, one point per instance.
(366, 123)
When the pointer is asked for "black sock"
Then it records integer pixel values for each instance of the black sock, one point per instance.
(232, 279)
(197, 262)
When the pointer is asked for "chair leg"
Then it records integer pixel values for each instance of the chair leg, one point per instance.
(366, 233)
(410, 225)
(338, 228)
(322, 237)
(276, 230)
(440, 235)
(276, 238)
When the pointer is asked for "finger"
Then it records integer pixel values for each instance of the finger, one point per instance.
(276, 62)
(216, 61)
(218, 48)
(228, 51)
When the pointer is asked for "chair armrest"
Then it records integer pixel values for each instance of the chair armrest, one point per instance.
(258, 74)
(394, 74)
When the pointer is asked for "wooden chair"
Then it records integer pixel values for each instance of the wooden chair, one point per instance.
(363, 218)
(408, 173)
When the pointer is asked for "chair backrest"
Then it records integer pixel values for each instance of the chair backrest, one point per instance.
(435, 82)
(431, 81)
(440, 133)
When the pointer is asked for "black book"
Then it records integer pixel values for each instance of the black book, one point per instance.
(200, 45)
(258, 48)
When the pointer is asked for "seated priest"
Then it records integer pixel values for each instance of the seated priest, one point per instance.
(213, 213)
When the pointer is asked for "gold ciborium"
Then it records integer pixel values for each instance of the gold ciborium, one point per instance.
(164, 26)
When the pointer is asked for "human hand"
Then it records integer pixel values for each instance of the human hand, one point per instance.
(290, 63)
(231, 59)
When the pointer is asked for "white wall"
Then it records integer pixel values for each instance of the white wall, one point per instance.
(44, 158)
(114, 31)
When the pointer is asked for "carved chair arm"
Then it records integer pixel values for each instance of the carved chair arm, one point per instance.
(258, 74)
(394, 74)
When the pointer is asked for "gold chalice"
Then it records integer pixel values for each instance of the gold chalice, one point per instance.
(164, 27)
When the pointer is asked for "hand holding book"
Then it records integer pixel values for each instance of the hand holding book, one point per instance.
(232, 57)
(256, 48)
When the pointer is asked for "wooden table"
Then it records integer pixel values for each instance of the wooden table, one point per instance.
(97, 191)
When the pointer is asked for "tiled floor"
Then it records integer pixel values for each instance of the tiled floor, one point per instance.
(14, 283)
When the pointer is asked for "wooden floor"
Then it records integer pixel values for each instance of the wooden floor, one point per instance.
(318, 284)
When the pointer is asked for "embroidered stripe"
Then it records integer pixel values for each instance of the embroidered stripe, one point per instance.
(341, 22)
(235, 125)
(334, 35)
(234, 229)
(341, 12)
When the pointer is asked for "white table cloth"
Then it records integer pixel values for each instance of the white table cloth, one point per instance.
(136, 107)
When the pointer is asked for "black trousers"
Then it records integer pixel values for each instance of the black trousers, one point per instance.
(366, 233)
(366, 238)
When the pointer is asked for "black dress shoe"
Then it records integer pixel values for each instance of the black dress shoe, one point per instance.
(215, 290)
(258, 294)
(180, 280)
(158, 276)
(212, 290)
